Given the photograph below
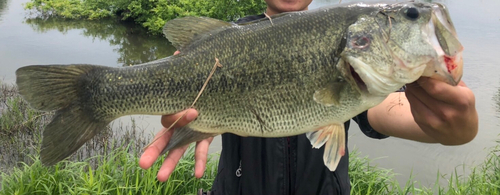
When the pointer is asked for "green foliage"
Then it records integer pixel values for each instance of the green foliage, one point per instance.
(484, 179)
(369, 179)
(115, 173)
(18, 126)
(75, 9)
(151, 14)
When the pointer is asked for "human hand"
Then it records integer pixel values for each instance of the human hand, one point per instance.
(152, 153)
(446, 113)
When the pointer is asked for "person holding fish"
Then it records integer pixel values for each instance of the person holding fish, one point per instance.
(429, 110)
(282, 88)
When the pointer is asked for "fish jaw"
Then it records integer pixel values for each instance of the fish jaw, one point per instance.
(448, 66)
(371, 81)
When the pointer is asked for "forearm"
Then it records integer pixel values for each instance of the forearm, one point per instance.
(438, 114)
(391, 118)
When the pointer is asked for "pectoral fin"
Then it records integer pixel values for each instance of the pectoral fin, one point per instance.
(329, 95)
(334, 137)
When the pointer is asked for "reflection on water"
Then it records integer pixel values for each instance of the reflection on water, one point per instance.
(134, 45)
(3, 7)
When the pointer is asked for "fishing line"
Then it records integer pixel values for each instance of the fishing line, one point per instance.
(217, 64)
(268, 17)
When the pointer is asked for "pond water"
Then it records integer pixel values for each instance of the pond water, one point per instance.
(33, 41)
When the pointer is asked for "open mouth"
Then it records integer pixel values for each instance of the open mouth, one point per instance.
(359, 82)
(442, 36)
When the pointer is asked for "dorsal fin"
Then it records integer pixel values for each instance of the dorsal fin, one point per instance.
(183, 31)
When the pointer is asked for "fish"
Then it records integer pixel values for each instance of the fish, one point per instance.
(303, 72)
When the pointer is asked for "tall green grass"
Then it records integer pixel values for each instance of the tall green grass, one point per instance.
(116, 173)
(367, 178)
(19, 127)
(483, 179)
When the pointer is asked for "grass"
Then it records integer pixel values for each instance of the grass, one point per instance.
(367, 178)
(18, 127)
(108, 164)
(117, 173)
(483, 179)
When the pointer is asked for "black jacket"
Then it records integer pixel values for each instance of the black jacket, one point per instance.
(281, 166)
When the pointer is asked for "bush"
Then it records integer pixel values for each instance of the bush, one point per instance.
(151, 14)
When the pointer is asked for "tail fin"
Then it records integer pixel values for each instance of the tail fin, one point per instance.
(51, 87)
(184, 136)
(59, 87)
(70, 128)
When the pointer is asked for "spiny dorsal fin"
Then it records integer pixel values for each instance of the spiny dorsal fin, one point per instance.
(334, 137)
(183, 31)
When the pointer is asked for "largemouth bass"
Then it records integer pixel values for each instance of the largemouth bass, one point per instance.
(292, 73)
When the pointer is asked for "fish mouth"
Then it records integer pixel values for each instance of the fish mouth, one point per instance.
(368, 80)
(448, 67)
(353, 77)
(357, 79)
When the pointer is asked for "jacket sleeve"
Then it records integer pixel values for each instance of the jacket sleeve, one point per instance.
(366, 128)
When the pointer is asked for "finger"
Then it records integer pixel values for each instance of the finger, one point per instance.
(167, 120)
(427, 99)
(201, 154)
(153, 151)
(177, 52)
(444, 109)
(440, 90)
(170, 162)
(423, 114)
(417, 92)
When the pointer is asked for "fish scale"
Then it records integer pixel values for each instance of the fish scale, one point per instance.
(277, 77)
(293, 73)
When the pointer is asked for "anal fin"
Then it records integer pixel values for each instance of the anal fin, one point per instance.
(333, 137)
(184, 136)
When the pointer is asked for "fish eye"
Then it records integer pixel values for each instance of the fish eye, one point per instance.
(412, 13)
(360, 42)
